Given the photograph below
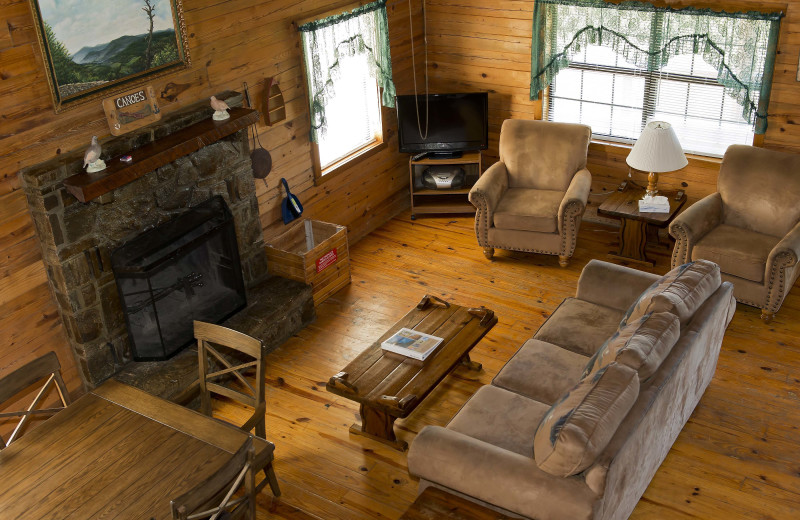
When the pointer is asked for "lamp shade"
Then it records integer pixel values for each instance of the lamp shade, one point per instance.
(657, 149)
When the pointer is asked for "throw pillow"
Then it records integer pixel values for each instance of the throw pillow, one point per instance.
(681, 291)
(641, 345)
(579, 426)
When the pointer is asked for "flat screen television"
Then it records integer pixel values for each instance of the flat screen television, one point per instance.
(456, 123)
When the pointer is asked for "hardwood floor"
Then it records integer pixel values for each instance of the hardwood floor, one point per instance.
(737, 458)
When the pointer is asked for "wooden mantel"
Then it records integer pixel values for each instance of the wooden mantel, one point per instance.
(89, 186)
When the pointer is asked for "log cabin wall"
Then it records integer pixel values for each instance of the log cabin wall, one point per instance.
(230, 42)
(483, 45)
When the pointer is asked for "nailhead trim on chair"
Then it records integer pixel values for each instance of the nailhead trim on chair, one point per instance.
(681, 253)
(572, 212)
(782, 260)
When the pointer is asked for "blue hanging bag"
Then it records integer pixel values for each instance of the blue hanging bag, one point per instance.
(290, 206)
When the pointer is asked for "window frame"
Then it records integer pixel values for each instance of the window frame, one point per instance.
(322, 175)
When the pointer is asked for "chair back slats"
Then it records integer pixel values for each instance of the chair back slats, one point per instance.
(228, 337)
(213, 499)
(44, 367)
(209, 336)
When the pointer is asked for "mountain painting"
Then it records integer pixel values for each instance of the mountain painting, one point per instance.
(91, 45)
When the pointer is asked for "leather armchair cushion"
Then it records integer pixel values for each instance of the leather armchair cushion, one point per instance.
(681, 291)
(737, 251)
(529, 210)
(500, 418)
(541, 371)
(641, 345)
(580, 326)
(579, 426)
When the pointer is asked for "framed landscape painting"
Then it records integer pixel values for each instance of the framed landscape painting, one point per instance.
(93, 48)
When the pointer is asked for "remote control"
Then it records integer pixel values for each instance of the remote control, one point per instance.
(419, 156)
(679, 195)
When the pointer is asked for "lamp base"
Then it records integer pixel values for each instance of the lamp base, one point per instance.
(652, 184)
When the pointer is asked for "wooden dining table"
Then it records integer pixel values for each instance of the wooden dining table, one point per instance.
(115, 453)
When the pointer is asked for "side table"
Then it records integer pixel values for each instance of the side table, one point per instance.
(633, 230)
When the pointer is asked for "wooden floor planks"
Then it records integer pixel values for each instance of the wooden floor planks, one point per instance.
(736, 458)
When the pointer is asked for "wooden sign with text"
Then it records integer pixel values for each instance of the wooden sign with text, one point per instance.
(131, 110)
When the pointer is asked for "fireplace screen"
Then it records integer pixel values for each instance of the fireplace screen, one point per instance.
(183, 270)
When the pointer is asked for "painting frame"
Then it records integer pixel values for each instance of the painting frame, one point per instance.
(63, 100)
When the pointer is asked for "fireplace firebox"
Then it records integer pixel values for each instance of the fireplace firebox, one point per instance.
(183, 270)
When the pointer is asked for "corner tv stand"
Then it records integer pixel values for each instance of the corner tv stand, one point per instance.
(443, 200)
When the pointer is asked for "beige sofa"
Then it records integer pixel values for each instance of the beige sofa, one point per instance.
(594, 451)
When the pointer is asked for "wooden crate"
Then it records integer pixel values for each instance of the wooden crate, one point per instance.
(313, 252)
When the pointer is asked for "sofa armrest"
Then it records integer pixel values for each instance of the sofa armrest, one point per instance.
(612, 285)
(485, 195)
(500, 477)
(574, 202)
(781, 270)
(692, 225)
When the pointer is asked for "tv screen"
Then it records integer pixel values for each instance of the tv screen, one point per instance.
(456, 122)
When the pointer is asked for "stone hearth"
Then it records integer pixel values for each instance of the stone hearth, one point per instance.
(77, 240)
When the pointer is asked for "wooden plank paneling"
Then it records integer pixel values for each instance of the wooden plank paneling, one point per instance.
(230, 43)
(481, 45)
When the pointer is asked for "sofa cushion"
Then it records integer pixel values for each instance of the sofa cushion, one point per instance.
(528, 210)
(737, 251)
(501, 418)
(641, 345)
(580, 425)
(680, 291)
(541, 371)
(580, 326)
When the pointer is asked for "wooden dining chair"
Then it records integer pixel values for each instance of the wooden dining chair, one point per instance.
(45, 367)
(214, 499)
(208, 335)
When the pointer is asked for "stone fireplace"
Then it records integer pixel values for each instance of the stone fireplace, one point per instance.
(78, 238)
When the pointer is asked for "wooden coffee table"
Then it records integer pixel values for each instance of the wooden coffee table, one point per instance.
(390, 386)
(633, 230)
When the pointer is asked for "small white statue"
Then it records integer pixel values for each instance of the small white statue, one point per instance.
(220, 109)
(92, 157)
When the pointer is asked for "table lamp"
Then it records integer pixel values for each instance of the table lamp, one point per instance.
(657, 151)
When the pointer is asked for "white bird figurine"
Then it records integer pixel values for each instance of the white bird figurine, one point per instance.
(92, 157)
(220, 109)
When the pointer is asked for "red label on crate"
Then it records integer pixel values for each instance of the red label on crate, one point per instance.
(326, 260)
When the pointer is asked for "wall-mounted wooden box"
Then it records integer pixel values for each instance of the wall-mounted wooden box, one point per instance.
(313, 252)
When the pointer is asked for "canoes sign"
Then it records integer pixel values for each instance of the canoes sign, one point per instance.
(326, 260)
(131, 110)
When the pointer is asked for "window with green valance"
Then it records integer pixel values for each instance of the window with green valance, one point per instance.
(651, 53)
(362, 32)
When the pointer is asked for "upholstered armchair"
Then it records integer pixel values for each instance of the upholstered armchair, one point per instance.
(750, 227)
(533, 198)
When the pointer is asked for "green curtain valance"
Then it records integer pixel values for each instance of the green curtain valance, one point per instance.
(362, 31)
(741, 46)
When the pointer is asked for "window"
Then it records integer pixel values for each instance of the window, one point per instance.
(349, 76)
(615, 69)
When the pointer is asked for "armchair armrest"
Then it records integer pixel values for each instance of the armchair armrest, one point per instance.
(612, 285)
(574, 201)
(490, 187)
(693, 224)
(497, 476)
(485, 195)
(781, 268)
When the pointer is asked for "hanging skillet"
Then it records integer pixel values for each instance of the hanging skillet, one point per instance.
(260, 159)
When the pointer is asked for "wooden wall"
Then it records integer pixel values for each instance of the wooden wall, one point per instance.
(482, 45)
(230, 42)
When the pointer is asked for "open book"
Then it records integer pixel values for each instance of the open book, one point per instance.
(410, 343)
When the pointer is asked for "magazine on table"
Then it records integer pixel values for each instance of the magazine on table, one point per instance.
(410, 343)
